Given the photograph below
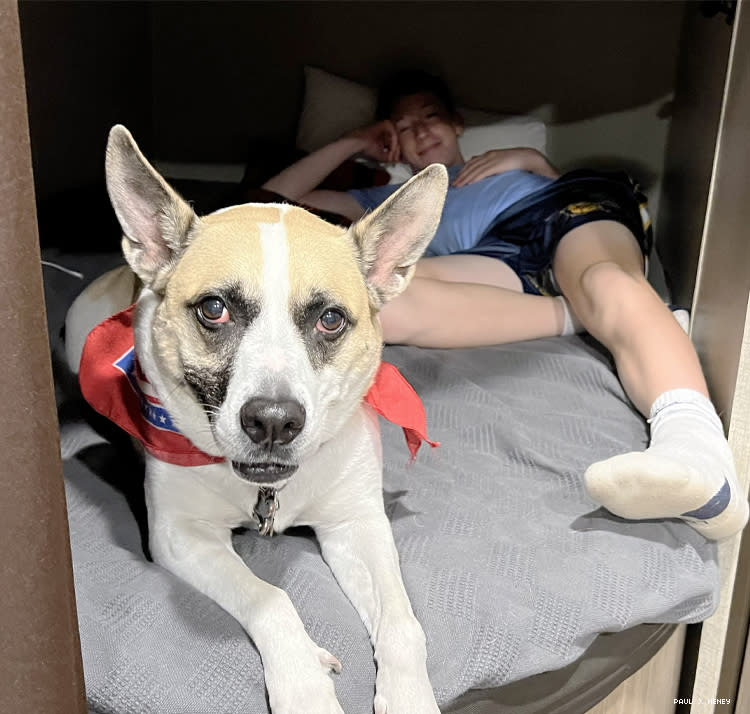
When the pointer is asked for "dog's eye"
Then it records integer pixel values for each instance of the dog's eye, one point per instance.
(212, 311)
(331, 322)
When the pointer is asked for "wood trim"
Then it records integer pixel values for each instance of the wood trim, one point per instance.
(714, 661)
(721, 333)
(40, 659)
(743, 694)
(653, 688)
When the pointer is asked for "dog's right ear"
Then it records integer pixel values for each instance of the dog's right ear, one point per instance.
(156, 222)
(391, 239)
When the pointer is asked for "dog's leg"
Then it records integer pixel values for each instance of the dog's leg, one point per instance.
(296, 669)
(362, 555)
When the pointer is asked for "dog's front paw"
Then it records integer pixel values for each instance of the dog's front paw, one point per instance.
(305, 686)
(398, 693)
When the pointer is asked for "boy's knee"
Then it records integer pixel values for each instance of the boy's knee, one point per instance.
(608, 277)
(607, 292)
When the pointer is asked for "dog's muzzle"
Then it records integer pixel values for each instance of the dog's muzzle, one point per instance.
(271, 426)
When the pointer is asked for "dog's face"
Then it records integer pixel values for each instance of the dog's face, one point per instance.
(266, 318)
(266, 315)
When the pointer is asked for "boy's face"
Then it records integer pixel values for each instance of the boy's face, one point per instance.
(427, 134)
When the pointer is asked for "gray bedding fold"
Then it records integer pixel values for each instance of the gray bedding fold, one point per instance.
(511, 569)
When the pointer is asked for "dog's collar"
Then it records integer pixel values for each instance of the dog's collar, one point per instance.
(265, 509)
(113, 383)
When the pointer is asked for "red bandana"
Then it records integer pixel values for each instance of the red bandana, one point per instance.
(114, 385)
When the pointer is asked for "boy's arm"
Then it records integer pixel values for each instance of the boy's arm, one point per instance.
(338, 202)
(497, 161)
(298, 181)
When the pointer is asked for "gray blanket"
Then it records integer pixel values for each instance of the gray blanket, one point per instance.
(511, 569)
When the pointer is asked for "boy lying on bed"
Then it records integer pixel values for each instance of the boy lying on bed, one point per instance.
(523, 253)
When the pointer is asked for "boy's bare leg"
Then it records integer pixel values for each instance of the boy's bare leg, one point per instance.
(467, 268)
(687, 471)
(468, 301)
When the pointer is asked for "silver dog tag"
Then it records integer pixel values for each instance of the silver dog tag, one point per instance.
(265, 509)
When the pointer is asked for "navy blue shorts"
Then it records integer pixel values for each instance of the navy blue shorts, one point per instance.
(526, 234)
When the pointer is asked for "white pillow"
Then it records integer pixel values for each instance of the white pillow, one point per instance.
(504, 134)
(334, 105)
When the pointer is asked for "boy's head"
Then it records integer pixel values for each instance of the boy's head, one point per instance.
(423, 110)
(408, 82)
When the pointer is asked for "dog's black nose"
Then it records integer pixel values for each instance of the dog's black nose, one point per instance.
(272, 423)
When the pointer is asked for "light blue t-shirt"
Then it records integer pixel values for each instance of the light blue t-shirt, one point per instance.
(469, 210)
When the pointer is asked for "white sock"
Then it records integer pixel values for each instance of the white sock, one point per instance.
(683, 318)
(571, 324)
(687, 471)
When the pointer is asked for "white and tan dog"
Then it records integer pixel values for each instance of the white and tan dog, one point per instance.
(257, 329)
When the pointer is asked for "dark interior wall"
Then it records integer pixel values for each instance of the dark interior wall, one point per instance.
(699, 90)
(87, 66)
(203, 80)
(225, 73)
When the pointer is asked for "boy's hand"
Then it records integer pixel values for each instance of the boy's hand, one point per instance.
(380, 141)
(498, 161)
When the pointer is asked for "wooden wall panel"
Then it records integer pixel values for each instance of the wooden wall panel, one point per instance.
(40, 662)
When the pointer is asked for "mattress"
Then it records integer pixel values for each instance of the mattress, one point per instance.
(511, 569)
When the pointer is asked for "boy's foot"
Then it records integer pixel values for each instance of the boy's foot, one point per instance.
(687, 472)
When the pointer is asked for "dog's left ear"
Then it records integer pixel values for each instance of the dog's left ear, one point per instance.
(155, 220)
(393, 237)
